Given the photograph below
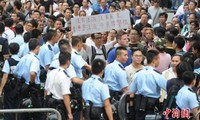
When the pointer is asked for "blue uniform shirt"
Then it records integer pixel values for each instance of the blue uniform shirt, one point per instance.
(187, 98)
(112, 56)
(46, 54)
(6, 67)
(24, 49)
(70, 70)
(78, 62)
(115, 76)
(28, 63)
(95, 91)
(148, 82)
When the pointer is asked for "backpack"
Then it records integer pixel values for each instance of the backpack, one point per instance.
(170, 102)
(12, 79)
(94, 52)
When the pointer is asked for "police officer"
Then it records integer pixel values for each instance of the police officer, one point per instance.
(46, 53)
(115, 74)
(28, 69)
(186, 97)
(96, 94)
(77, 61)
(64, 46)
(10, 94)
(116, 78)
(58, 84)
(147, 85)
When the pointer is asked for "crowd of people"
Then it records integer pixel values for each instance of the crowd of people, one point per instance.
(44, 65)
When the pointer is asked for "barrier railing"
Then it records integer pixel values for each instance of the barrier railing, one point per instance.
(32, 110)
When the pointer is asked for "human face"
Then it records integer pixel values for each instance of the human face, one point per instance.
(123, 57)
(36, 15)
(14, 17)
(85, 3)
(175, 20)
(124, 40)
(122, 5)
(175, 61)
(137, 10)
(104, 37)
(192, 26)
(58, 25)
(76, 8)
(103, 3)
(68, 14)
(42, 9)
(65, 6)
(191, 18)
(98, 40)
(192, 6)
(51, 22)
(40, 25)
(29, 27)
(112, 34)
(162, 19)
(111, 9)
(144, 19)
(82, 13)
(137, 57)
(133, 36)
(149, 34)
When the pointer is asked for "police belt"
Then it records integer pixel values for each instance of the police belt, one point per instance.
(142, 103)
(91, 113)
(53, 103)
(115, 94)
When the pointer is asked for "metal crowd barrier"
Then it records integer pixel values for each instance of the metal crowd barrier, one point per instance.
(32, 110)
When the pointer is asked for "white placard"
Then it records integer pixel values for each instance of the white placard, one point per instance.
(100, 23)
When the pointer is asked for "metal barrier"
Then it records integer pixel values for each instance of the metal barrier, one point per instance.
(32, 110)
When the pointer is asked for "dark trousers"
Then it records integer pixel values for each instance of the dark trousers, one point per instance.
(11, 101)
(36, 102)
(140, 115)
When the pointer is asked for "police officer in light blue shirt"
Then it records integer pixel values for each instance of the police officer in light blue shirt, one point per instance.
(8, 83)
(148, 83)
(65, 46)
(186, 98)
(46, 53)
(77, 61)
(29, 66)
(28, 69)
(115, 74)
(96, 94)
(24, 47)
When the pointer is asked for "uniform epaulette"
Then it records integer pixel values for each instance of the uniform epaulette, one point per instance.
(36, 57)
(157, 71)
(66, 73)
(138, 70)
(49, 46)
(122, 67)
(76, 53)
(190, 90)
(100, 79)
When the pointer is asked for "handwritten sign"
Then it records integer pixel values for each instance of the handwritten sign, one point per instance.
(100, 23)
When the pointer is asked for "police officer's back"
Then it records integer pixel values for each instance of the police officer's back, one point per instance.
(147, 85)
(58, 85)
(8, 83)
(96, 94)
(186, 97)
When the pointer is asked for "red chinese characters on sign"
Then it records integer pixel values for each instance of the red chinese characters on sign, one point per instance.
(176, 113)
